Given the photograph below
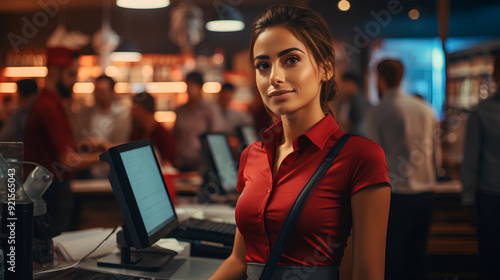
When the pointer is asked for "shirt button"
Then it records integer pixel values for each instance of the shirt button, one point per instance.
(260, 216)
(269, 191)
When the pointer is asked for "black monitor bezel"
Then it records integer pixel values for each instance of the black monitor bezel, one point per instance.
(241, 135)
(213, 165)
(126, 199)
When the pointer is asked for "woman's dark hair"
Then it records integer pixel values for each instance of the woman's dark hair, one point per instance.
(311, 29)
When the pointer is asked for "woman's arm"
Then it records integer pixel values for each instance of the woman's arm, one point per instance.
(370, 213)
(235, 266)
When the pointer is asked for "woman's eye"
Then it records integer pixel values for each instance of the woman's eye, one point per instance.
(292, 60)
(261, 66)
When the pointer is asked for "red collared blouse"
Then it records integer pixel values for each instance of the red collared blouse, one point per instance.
(322, 229)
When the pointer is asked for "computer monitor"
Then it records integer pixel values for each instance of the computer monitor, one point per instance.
(247, 135)
(221, 161)
(144, 200)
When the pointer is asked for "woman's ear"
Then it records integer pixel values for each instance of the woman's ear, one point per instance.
(327, 72)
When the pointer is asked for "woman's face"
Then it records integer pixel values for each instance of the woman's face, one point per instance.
(287, 75)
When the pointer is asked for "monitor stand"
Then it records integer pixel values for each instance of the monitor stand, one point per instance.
(150, 259)
(144, 260)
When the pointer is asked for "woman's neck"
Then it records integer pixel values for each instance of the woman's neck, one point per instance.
(299, 123)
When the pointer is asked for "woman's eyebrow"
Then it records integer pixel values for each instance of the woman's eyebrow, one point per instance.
(261, 57)
(281, 53)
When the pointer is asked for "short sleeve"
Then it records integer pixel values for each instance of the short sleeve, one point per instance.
(240, 184)
(368, 165)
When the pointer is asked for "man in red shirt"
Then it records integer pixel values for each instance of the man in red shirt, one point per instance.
(49, 137)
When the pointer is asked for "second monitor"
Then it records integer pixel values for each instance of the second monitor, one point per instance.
(223, 168)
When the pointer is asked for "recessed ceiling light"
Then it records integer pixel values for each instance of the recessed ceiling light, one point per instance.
(142, 4)
(344, 5)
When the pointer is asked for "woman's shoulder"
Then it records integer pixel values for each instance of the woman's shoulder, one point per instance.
(252, 148)
(363, 148)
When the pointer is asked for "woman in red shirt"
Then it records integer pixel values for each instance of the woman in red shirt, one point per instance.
(292, 53)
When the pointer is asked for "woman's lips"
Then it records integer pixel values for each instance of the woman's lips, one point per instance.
(280, 95)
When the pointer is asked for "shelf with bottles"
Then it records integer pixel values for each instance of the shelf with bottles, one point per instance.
(469, 81)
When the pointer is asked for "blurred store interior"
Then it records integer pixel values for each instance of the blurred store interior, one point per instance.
(447, 46)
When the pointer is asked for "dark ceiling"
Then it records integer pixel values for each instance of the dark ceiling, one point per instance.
(148, 28)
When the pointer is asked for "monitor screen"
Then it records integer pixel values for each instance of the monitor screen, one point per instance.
(141, 192)
(148, 188)
(249, 134)
(223, 160)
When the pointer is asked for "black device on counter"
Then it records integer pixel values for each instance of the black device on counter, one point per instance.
(223, 168)
(144, 200)
(247, 135)
(148, 211)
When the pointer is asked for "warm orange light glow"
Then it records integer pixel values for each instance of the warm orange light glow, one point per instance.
(165, 116)
(111, 71)
(166, 87)
(211, 87)
(8, 87)
(88, 72)
(87, 60)
(25, 72)
(122, 88)
(83, 88)
(414, 14)
(344, 5)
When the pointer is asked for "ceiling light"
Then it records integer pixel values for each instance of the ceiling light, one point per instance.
(344, 5)
(83, 87)
(142, 4)
(414, 14)
(8, 87)
(211, 87)
(165, 116)
(25, 72)
(166, 87)
(229, 20)
(127, 52)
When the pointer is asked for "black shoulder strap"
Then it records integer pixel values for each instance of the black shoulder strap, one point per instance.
(293, 215)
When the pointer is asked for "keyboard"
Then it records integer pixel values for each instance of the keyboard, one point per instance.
(207, 232)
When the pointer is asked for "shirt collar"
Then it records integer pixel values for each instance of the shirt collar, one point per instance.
(318, 134)
(393, 93)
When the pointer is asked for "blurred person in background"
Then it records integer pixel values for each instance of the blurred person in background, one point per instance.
(481, 177)
(13, 129)
(6, 109)
(232, 118)
(49, 136)
(107, 119)
(357, 105)
(194, 118)
(404, 127)
(146, 127)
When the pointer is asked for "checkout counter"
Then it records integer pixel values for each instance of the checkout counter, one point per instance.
(183, 266)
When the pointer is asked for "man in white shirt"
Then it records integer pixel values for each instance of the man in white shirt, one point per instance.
(107, 120)
(404, 127)
(196, 117)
